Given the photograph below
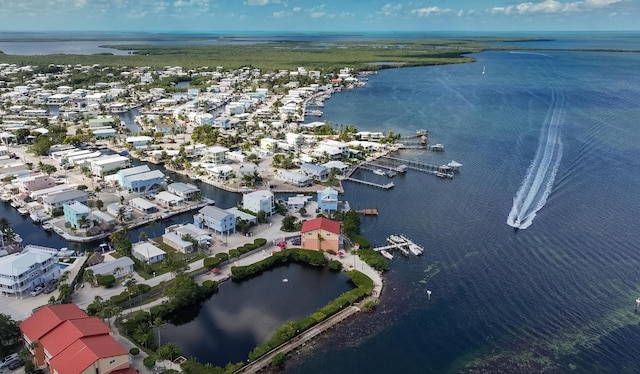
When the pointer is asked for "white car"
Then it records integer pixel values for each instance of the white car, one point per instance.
(37, 291)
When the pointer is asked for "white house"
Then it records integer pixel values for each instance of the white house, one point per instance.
(143, 205)
(176, 242)
(261, 200)
(215, 154)
(23, 272)
(185, 190)
(56, 200)
(148, 252)
(107, 164)
(119, 268)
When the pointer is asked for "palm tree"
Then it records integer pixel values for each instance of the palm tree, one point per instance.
(168, 352)
(157, 324)
(142, 236)
(89, 277)
(83, 221)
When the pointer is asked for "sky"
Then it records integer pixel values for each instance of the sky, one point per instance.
(318, 15)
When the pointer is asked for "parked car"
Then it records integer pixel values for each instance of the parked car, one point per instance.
(14, 364)
(37, 291)
(5, 361)
(295, 241)
(128, 282)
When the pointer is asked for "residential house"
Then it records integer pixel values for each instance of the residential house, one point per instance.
(296, 179)
(189, 229)
(56, 200)
(147, 252)
(167, 199)
(340, 166)
(297, 202)
(131, 171)
(143, 182)
(328, 200)
(34, 182)
(215, 219)
(222, 122)
(68, 341)
(261, 200)
(108, 164)
(317, 172)
(143, 205)
(185, 190)
(221, 171)
(215, 155)
(139, 141)
(321, 234)
(23, 272)
(119, 268)
(77, 215)
(176, 242)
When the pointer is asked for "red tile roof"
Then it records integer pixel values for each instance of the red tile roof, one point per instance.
(321, 223)
(69, 331)
(84, 352)
(125, 371)
(50, 316)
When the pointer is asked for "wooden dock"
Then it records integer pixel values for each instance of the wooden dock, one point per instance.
(368, 212)
(442, 171)
(403, 246)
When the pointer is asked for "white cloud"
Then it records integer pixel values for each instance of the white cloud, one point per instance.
(317, 12)
(256, 2)
(281, 14)
(553, 6)
(433, 10)
(390, 9)
(297, 9)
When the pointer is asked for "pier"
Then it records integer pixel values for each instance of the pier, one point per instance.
(383, 186)
(368, 212)
(402, 244)
(442, 171)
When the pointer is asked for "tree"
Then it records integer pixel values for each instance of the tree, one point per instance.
(9, 334)
(157, 324)
(65, 293)
(183, 291)
(169, 352)
(100, 204)
(83, 221)
(89, 277)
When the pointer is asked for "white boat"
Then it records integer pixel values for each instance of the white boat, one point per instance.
(415, 249)
(5, 198)
(285, 280)
(396, 239)
(47, 226)
(23, 211)
(379, 172)
(483, 69)
(386, 254)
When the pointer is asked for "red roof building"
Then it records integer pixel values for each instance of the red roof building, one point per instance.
(70, 342)
(321, 234)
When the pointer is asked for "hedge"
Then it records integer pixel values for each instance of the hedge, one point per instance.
(314, 258)
(149, 361)
(106, 280)
(134, 351)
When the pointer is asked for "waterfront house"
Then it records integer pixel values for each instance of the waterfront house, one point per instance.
(168, 199)
(327, 200)
(143, 182)
(56, 200)
(34, 182)
(143, 205)
(215, 155)
(101, 122)
(261, 200)
(119, 268)
(23, 272)
(222, 123)
(316, 172)
(139, 141)
(215, 219)
(108, 164)
(65, 339)
(147, 252)
(131, 171)
(119, 211)
(77, 215)
(221, 171)
(340, 166)
(296, 179)
(321, 234)
(189, 229)
(185, 190)
(104, 133)
(176, 242)
(297, 202)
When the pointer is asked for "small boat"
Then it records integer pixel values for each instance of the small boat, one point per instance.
(47, 226)
(23, 211)
(379, 172)
(386, 254)
(391, 173)
(396, 239)
(285, 280)
(483, 69)
(5, 198)
(415, 249)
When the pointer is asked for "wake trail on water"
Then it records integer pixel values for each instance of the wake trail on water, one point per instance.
(539, 179)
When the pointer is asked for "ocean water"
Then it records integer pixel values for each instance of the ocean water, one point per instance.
(558, 129)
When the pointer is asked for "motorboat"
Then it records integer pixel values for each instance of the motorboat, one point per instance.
(396, 239)
(415, 249)
(386, 254)
(379, 172)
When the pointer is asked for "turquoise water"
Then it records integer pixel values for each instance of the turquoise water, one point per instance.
(557, 296)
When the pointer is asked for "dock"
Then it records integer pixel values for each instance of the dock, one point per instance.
(442, 171)
(383, 186)
(367, 212)
(402, 244)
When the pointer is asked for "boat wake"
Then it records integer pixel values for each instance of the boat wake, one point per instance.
(538, 182)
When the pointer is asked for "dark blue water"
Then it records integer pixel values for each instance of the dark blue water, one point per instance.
(558, 296)
(244, 314)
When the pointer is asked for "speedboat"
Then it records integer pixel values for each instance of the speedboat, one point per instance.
(415, 249)
(386, 254)
(379, 172)
(396, 239)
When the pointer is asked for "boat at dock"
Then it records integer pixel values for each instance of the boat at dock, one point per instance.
(23, 211)
(379, 172)
(396, 239)
(386, 254)
(415, 249)
(47, 226)
(5, 198)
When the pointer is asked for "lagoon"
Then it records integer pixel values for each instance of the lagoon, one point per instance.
(244, 314)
